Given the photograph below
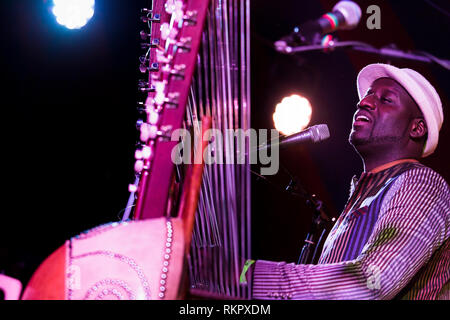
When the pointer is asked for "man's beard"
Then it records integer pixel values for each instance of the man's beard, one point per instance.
(374, 140)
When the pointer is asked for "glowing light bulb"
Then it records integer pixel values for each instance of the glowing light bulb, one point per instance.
(73, 14)
(292, 114)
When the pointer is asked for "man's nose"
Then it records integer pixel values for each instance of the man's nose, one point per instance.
(368, 102)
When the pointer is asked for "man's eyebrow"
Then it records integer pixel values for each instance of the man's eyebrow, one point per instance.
(392, 91)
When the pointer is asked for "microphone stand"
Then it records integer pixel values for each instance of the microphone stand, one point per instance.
(320, 221)
(390, 51)
(314, 237)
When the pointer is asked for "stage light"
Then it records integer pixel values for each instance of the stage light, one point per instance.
(292, 114)
(73, 14)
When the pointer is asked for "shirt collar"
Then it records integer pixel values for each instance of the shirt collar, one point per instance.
(391, 164)
(376, 170)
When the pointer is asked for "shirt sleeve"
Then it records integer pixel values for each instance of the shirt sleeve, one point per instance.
(413, 222)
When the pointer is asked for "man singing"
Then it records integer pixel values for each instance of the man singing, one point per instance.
(392, 239)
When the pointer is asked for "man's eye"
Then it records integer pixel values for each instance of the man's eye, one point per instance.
(386, 100)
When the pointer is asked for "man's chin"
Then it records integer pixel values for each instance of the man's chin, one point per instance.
(355, 140)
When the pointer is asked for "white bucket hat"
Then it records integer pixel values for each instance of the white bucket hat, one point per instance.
(420, 90)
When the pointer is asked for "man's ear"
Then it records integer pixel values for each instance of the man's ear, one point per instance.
(418, 129)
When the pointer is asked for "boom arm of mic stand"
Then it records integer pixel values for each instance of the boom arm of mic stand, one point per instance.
(364, 47)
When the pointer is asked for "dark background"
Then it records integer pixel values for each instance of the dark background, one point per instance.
(69, 111)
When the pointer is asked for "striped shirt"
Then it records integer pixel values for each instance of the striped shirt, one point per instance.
(390, 242)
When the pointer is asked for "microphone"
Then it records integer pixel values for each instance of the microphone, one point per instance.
(313, 134)
(345, 16)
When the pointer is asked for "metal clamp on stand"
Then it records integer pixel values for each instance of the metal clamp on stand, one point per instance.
(317, 229)
(319, 224)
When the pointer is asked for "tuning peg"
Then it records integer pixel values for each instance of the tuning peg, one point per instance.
(139, 123)
(173, 5)
(178, 70)
(138, 154)
(152, 43)
(152, 115)
(143, 68)
(139, 145)
(141, 111)
(155, 17)
(144, 35)
(175, 8)
(162, 58)
(132, 188)
(142, 106)
(167, 31)
(143, 83)
(145, 86)
(172, 99)
(184, 44)
(190, 18)
(143, 59)
(144, 153)
(147, 89)
(148, 131)
(138, 167)
(152, 68)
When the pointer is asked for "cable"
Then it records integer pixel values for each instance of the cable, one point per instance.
(435, 6)
(443, 63)
(384, 51)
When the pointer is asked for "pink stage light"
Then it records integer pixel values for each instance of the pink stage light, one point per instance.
(292, 114)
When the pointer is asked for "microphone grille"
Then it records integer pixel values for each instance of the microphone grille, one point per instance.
(351, 12)
(320, 132)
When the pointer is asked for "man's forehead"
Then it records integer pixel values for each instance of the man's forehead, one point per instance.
(388, 83)
(393, 86)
